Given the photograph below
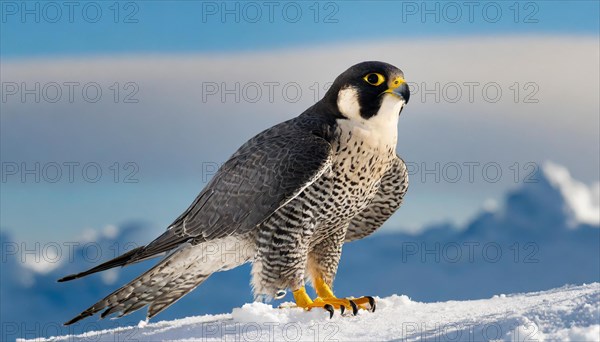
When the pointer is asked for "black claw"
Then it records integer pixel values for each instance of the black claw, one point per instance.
(329, 308)
(371, 303)
(342, 309)
(354, 307)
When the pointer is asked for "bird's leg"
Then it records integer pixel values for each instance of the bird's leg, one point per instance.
(323, 290)
(302, 299)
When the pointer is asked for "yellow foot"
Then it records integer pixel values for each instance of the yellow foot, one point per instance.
(325, 292)
(332, 303)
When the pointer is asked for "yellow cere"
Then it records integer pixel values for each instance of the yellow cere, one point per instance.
(398, 81)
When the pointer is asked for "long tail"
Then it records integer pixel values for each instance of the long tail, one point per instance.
(159, 287)
(172, 278)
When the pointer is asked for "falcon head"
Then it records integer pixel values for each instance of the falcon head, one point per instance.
(369, 91)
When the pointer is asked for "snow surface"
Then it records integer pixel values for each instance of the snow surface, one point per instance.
(569, 313)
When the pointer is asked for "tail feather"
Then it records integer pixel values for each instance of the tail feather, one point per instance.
(160, 286)
(172, 278)
(183, 287)
(121, 260)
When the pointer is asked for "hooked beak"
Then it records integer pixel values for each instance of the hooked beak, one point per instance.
(399, 87)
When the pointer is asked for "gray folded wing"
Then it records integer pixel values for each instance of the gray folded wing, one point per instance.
(263, 175)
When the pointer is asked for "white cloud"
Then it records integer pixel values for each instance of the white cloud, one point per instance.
(172, 132)
(172, 116)
(490, 205)
(110, 231)
(43, 259)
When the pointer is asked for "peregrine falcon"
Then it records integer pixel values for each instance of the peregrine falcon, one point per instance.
(286, 201)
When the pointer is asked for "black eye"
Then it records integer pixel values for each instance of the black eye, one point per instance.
(374, 78)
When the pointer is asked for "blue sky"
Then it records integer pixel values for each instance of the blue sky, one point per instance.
(35, 28)
(169, 48)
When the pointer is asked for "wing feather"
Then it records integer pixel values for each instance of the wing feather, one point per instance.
(263, 175)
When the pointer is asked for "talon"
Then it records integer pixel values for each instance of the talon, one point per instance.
(371, 303)
(342, 309)
(329, 308)
(354, 307)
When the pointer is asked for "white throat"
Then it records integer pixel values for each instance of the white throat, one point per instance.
(381, 130)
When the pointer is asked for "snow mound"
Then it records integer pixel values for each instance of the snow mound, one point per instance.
(569, 313)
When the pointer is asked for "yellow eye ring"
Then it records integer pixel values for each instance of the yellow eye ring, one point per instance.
(374, 78)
